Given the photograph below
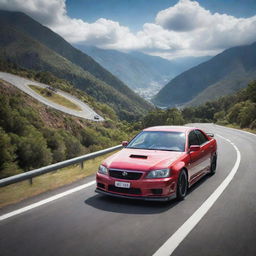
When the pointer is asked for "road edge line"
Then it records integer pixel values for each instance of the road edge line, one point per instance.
(173, 242)
(45, 201)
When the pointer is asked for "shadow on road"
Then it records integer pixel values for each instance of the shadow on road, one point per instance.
(130, 206)
(199, 183)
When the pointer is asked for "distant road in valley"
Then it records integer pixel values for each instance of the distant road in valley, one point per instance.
(22, 83)
(85, 223)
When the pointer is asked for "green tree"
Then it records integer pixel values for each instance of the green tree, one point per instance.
(56, 143)
(32, 149)
(251, 91)
(7, 154)
(247, 114)
(174, 117)
(72, 144)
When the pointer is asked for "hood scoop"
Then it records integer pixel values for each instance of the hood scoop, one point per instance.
(139, 156)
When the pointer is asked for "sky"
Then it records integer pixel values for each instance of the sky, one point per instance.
(166, 28)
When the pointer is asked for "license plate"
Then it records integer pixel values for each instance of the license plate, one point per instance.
(120, 184)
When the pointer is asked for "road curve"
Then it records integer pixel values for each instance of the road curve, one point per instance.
(85, 223)
(22, 83)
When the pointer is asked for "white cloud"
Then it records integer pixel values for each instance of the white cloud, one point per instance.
(185, 29)
(102, 33)
(202, 32)
(186, 15)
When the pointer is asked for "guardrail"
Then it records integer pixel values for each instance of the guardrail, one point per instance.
(54, 167)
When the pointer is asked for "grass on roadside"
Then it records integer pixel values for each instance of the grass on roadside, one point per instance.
(54, 97)
(242, 129)
(22, 190)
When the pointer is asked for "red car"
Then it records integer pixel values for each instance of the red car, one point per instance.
(160, 163)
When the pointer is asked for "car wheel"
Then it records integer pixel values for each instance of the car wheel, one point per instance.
(213, 165)
(182, 186)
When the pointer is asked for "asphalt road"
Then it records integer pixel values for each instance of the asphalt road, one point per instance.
(85, 223)
(22, 83)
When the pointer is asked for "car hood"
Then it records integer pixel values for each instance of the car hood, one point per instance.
(140, 159)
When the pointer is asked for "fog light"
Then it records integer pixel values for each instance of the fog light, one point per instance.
(100, 185)
(157, 191)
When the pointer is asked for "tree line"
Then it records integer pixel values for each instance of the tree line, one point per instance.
(238, 109)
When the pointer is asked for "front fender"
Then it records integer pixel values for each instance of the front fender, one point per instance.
(177, 167)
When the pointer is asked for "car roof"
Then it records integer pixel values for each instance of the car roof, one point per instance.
(170, 128)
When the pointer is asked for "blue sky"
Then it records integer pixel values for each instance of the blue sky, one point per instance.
(134, 13)
(167, 28)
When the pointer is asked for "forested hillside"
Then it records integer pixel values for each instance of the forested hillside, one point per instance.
(33, 135)
(31, 45)
(238, 109)
(224, 74)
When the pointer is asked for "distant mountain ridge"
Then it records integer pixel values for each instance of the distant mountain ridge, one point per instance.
(225, 73)
(27, 43)
(135, 69)
(138, 70)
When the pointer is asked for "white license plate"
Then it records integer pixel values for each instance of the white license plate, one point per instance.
(120, 184)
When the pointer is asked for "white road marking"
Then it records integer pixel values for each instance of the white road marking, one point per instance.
(172, 243)
(45, 201)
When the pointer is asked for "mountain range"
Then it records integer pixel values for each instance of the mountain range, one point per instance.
(223, 74)
(31, 45)
(141, 72)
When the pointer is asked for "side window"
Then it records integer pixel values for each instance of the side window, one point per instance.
(192, 139)
(201, 137)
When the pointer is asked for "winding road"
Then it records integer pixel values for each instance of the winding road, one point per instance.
(22, 83)
(217, 218)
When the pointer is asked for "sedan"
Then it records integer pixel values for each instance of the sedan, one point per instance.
(160, 163)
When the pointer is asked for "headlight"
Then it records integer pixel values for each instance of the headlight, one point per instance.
(103, 170)
(158, 174)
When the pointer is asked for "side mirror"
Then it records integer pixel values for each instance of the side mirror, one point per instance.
(210, 134)
(124, 143)
(194, 148)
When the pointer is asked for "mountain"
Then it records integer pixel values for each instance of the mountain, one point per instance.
(31, 45)
(137, 70)
(223, 74)
(143, 73)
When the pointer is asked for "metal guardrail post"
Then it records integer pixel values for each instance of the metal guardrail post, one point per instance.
(56, 166)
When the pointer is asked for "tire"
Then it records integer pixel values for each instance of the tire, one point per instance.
(213, 165)
(182, 186)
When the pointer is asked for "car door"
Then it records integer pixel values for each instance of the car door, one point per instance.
(205, 153)
(195, 156)
(199, 160)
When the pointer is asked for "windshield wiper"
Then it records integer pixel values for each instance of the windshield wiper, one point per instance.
(175, 150)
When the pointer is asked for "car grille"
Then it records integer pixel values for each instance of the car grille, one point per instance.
(133, 191)
(128, 174)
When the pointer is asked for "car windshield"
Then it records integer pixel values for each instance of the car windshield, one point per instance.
(159, 140)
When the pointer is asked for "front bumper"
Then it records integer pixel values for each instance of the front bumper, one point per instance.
(143, 189)
(145, 198)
